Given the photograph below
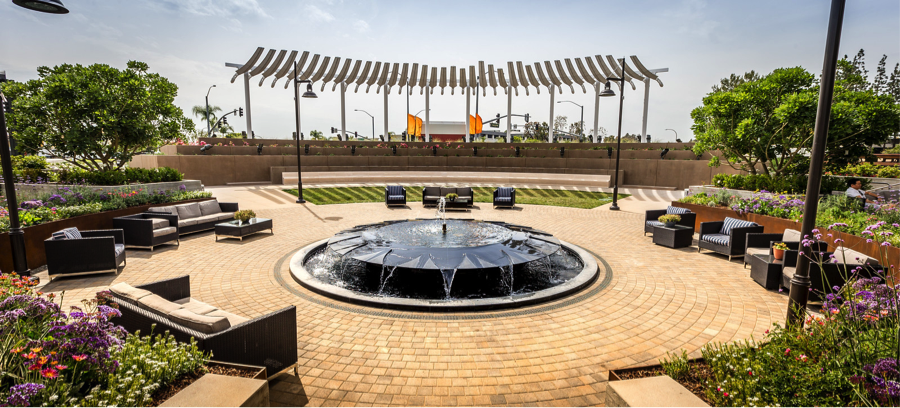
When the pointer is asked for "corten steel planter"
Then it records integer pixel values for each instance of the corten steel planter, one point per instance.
(35, 235)
(778, 225)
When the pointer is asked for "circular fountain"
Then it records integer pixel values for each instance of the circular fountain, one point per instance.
(437, 264)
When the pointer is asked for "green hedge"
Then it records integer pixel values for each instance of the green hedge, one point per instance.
(786, 184)
(117, 178)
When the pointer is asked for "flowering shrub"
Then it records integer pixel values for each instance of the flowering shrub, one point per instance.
(774, 205)
(50, 357)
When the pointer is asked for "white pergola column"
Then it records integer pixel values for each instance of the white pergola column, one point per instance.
(427, 113)
(508, 113)
(596, 111)
(468, 113)
(552, 105)
(646, 105)
(386, 113)
(247, 103)
(343, 111)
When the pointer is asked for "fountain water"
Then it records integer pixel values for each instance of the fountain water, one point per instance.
(441, 213)
(443, 260)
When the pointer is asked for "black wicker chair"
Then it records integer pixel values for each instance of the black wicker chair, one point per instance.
(505, 197)
(147, 230)
(269, 341)
(651, 218)
(71, 252)
(727, 237)
(762, 243)
(825, 273)
(394, 195)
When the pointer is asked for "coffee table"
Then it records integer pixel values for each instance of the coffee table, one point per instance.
(239, 230)
(678, 236)
(459, 203)
(766, 270)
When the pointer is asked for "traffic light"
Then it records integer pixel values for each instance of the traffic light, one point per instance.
(356, 135)
(241, 112)
(333, 130)
(527, 116)
(498, 116)
(224, 120)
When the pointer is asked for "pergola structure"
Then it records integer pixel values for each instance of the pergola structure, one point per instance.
(584, 72)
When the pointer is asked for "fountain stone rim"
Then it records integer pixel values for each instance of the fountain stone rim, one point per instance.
(589, 273)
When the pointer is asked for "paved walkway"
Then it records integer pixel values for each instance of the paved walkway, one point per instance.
(649, 300)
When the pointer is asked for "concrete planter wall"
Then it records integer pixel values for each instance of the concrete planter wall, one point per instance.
(223, 391)
(660, 391)
(574, 146)
(35, 235)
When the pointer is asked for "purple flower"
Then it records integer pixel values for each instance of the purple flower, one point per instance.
(20, 395)
(182, 188)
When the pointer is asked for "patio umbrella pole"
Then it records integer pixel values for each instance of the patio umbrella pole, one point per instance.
(800, 282)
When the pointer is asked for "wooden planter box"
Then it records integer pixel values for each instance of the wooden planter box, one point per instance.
(778, 225)
(658, 391)
(213, 390)
(35, 235)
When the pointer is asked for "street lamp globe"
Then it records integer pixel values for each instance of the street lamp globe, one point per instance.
(309, 92)
(607, 90)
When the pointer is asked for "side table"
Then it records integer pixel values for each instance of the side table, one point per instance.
(766, 270)
(674, 237)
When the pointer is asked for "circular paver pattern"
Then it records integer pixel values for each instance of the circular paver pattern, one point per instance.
(654, 300)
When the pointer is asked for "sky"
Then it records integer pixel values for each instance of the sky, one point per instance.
(189, 42)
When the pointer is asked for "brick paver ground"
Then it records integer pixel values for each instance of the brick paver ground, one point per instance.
(656, 300)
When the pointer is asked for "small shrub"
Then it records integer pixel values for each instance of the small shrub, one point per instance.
(669, 218)
(244, 215)
(675, 366)
(889, 172)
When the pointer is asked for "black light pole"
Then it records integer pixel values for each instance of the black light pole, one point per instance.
(373, 120)
(800, 282)
(16, 234)
(609, 92)
(208, 126)
(308, 94)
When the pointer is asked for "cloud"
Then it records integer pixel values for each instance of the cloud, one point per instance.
(317, 14)
(217, 8)
(361, 26)
(693, 17)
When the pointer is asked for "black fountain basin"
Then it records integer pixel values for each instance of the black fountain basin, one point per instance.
(416, 265)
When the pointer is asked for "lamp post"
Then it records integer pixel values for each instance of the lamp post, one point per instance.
(16, 234)
(676, 133)
(582, 115)
(607, 91)
(208, 126)
(308, 94)
(373, 121)
(800, 282)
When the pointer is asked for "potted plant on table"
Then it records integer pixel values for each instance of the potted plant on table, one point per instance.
(778, 250)
(452, 196)
(244, 215)
(669, 219)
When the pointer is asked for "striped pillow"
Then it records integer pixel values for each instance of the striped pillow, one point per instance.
(72, 233)
(504, 191)
(677, 210)
(732, 223)
(58, 235)
(395, 190)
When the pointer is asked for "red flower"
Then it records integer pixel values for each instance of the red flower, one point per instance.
(35, 367)
(49, 373)
(61, 367)
(79, 357)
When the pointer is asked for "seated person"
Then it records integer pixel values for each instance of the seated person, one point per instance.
(855, 191)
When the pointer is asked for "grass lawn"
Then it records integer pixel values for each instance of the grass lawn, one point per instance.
(559, 198)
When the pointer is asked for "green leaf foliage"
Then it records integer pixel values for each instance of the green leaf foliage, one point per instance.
(95, 117)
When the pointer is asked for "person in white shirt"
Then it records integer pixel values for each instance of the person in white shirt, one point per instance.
(855, 190)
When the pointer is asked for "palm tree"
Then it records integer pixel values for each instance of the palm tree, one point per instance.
(210, 117)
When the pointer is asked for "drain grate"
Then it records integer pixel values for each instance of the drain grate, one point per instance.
(292, 287)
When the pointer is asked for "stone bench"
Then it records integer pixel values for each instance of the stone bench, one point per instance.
(467, 178)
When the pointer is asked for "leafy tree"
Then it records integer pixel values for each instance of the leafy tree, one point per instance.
(200, 112)
(577, 128)
(766, 126)
(95, 117)
(537, 131)
(880, 82)
(728, 84)
(560, 123)
(316, 135)
(893, 86)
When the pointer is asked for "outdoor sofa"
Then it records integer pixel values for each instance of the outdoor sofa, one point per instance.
(830, 269)
(727, 237)
(198, 216)
(269, 340)
(651, 218)
(431, 195)
(394, 195)
(71, 252)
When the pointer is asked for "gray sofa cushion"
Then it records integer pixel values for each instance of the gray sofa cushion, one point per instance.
(186, 223)
(188, 211)
(203, 219)
(159, 223)
(199, 322)
(195, 305)
(167, 209)
(791, 235)
(432, 192)
(850, 257)
(164, 231)
(233, 319)
(210, 207)
(119, 248)
(225, 216)
(128, 292)
(156, 303)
